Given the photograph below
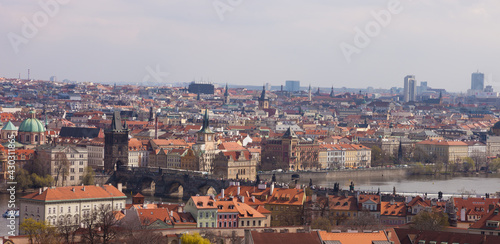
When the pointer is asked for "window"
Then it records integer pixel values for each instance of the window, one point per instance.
(206, 215)
(242, 223)
(72, 178)
(76, 209)
(206, 224)
(69, 209)
(62, 210)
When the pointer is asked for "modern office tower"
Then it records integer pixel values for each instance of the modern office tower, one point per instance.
(292, 85)
(410, 89)
(200, 87)
(477, 81)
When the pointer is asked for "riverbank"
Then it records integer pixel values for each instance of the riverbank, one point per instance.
(323, 176)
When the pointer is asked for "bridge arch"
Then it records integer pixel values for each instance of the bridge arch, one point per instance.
(147, 185)
(174, 189)
(207, 190)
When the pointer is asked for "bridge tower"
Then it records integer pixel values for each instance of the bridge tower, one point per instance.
(116, 144)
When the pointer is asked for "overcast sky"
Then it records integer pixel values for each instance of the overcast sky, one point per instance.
(253, 41)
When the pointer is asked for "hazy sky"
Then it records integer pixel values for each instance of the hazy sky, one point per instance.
(253, 41)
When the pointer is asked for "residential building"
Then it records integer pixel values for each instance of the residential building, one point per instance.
(342, 208)
(393, 213)
(204, 211)
(286, 206)
(489, 224)
(66, 163)
(448, 151)
(69, 203)
(470, 210)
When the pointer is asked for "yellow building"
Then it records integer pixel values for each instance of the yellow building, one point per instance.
(449, 151)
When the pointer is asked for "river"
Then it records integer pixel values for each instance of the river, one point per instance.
(475, 184)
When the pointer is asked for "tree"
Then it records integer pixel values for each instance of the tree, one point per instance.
(23, 179)
(430, 220)
(364, 221)
(322, 223)
(61, 167)
(41, 181)
(193, 239)
(89, 177)
(39, 231)
(67, 230)
(468, 164)
(494, 165)
(137, 232)
(101, 225)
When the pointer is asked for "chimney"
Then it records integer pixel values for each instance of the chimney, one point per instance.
(45, 188)
(40, 191)
(272, 189)
(253, 198)
(119, 186)
(238, 193)
(171, 213)
(83, 188)
(222, 193)
(242, 199)
(73, 189)
(179, 209)
(96, 184)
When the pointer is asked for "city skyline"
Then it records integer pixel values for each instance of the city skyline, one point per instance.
(251, 43)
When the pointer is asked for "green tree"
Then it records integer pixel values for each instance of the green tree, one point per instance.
(39, 231)
(41, 181)
(468, 164)
(494, 165)
(89, 177)
(322, 223)
(194, 238)
(23, 179)
(430, 220)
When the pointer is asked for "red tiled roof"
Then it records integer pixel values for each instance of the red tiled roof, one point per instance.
(76, 193)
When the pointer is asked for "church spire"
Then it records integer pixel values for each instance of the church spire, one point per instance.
(332, 94)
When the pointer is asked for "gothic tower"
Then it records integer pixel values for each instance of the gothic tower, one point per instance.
(226, 95)
(116, 144)
(263, 100)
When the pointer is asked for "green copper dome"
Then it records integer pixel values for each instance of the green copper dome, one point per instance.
(32, 125)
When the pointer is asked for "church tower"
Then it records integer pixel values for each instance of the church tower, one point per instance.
(263, 100)
(226, 95)
(116, 144)
(332, 94)
(205, 145)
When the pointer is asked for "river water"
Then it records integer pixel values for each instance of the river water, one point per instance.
(409, 185)
(475, 184)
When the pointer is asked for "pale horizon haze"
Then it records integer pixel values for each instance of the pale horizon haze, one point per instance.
(251, 42)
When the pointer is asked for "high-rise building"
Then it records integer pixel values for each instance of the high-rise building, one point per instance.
(410, 89)
(477, 81)
(292, 85)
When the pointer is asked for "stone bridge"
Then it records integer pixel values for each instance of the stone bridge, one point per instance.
(168, 182)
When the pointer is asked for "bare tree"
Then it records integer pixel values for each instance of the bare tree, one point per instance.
(234, 238)
(364, 221)
(100, 225)
(138, 232)
(67, 229)
(61, 167)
